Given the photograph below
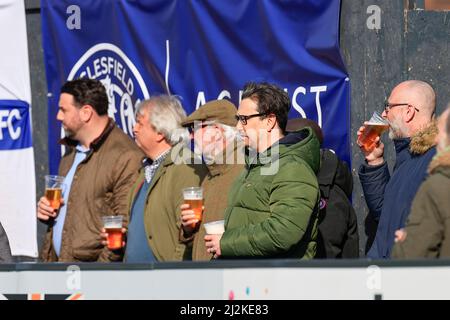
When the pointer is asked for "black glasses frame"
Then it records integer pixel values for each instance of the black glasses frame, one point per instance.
(388, 105)
(243, 119)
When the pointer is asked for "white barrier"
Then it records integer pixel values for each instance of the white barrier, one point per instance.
(223, 280)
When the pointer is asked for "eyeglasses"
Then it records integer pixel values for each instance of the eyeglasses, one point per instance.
(244, 119)
(192, 128)
(388, 105)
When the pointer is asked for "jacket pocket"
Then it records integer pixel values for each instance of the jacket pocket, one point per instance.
(415, 219)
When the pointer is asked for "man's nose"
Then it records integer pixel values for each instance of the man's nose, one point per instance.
(59, 116)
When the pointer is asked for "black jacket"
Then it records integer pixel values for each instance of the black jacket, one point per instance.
(338, 227)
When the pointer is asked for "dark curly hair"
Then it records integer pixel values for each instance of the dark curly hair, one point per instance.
(269, 99)
(88, 91)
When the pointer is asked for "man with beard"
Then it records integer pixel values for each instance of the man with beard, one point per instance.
(100, 166)
(410, 113)
(213, 128)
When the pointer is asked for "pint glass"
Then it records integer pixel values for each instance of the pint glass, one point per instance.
(193, 196)
(54, 186)
(113, 227)
(373, 129)
(215, 227)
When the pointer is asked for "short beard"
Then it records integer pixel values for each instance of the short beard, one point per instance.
(396, 130)
(69, 134)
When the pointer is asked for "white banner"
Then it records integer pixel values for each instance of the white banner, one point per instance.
(392, 280)
(17, 175)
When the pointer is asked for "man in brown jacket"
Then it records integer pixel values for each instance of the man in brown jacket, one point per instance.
(155, 198)
(100, 166)
(427, 232)
(214, 131)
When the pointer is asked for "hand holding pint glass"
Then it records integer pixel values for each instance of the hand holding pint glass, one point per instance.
(193, 197)
(112, 226)
(50, 203)
(54, 186)
(367, 138)
(215, 227)
(214, 231)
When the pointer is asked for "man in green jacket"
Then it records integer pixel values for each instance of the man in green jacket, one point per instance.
(427, 232)
(272, 207)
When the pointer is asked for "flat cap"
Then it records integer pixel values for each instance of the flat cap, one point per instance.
(221, 111)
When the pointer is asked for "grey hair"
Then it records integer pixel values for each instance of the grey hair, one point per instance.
(166, 114)
(229, 132)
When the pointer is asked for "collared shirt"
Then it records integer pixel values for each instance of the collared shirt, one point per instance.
(151, 167)
(80, 155)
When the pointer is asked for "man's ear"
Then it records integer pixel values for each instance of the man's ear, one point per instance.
(271, 122)
(86, 113)
(160, 137)
(410, 113)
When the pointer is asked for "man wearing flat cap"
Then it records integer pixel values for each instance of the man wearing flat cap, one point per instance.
(213, 127)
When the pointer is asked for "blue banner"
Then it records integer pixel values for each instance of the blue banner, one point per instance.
(199, 50)
(15, 131)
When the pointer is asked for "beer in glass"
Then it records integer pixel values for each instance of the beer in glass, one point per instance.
(193, 196)
(53, 190)
(113, 227)
(373, 129)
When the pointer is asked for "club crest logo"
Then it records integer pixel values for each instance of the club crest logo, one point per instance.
(123, 82)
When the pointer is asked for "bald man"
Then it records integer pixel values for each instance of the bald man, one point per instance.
(409, 111)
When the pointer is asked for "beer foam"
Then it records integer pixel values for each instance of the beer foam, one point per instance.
(193, 197)
(112, 222)
(215, 227)
(112, 225)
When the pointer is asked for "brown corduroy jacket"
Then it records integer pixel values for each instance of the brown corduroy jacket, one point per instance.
(216, 186)
(99, 188)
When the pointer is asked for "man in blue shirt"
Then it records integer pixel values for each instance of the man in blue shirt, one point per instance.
(100, 166)
(410, 112)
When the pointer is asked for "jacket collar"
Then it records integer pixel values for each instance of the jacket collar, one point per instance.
(218, 169)
(255, 158)
(401, 145)
(418, 144)
(227, 158)
(96, 144)
(441, 159)
(423, 140)
(178, 154)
